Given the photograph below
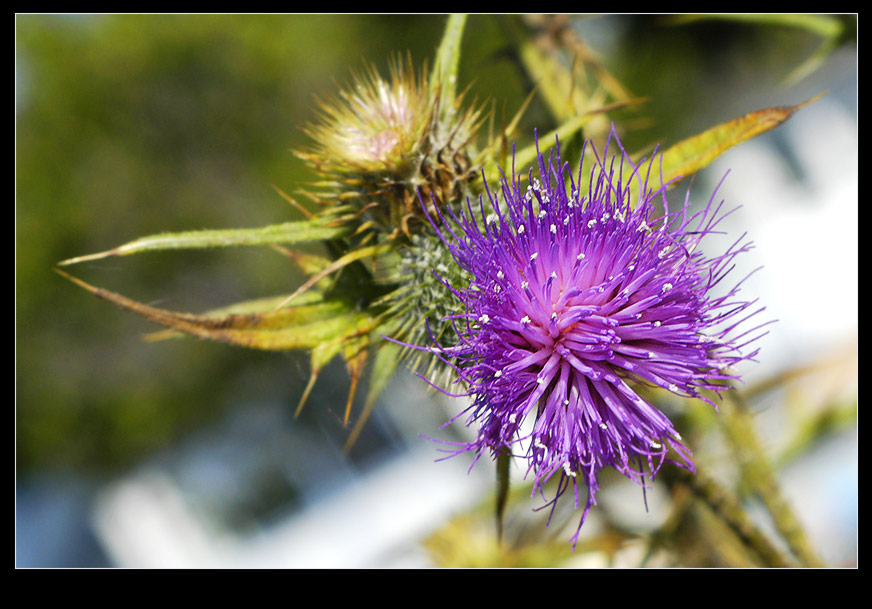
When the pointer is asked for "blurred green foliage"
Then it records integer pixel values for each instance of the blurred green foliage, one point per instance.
(134, 124)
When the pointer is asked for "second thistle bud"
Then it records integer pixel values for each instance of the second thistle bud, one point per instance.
(381, 143)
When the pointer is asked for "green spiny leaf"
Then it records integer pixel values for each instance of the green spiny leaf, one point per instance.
(315, 229)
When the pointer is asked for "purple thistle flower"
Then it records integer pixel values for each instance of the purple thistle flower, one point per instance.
(577, 297)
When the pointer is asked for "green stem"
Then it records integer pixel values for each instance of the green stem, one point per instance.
(446, 65)
(503, 461)
(759, 476)
(725, 506)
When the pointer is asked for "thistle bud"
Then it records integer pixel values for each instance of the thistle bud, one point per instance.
(423, 305)
(381, 143)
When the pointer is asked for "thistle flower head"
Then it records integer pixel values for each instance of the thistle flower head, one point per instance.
(579, 297)
(381, 141)
(374, 126)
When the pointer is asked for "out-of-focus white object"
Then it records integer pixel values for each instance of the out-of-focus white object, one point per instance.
(344, 517)
(373, 521)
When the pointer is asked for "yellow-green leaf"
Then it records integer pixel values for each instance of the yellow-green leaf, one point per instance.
(279, 330)
(269, 305)
(692, 154)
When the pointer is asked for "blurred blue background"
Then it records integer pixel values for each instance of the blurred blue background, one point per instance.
(185, 453)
